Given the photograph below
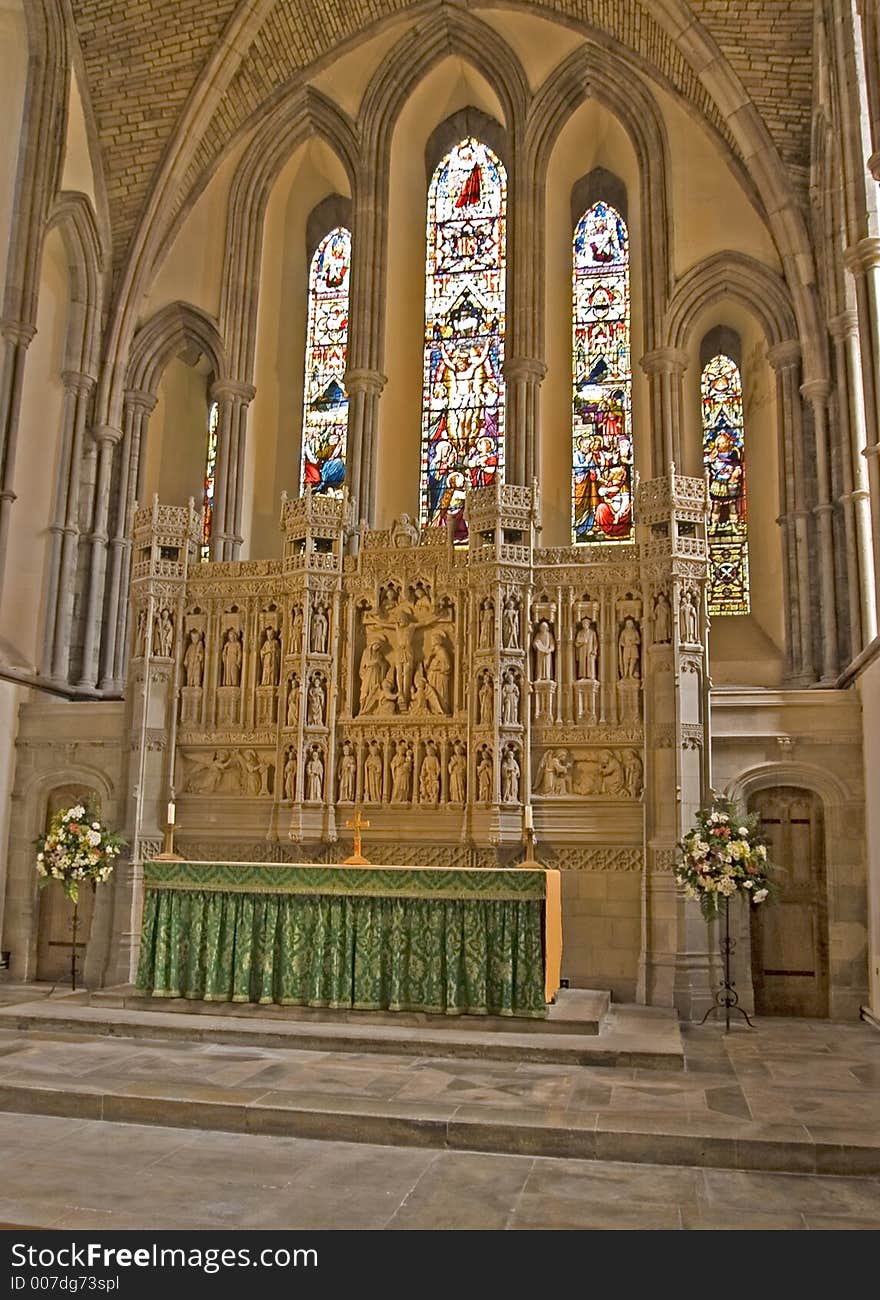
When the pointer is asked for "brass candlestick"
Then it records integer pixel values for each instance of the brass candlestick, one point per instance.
(168, 854)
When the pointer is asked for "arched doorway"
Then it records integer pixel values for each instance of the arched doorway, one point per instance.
(790, 933)
(55, 925)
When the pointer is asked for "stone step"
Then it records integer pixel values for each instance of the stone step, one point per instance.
(576, 1011)
(714, 1142)
(648, 1038)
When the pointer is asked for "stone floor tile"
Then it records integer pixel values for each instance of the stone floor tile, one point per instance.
(614, 1181)
(563, 1212)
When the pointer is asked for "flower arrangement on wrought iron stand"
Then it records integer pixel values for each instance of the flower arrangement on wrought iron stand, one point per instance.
(77, 849)
(722, 856)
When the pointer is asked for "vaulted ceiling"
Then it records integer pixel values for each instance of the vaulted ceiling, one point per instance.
(143, 60)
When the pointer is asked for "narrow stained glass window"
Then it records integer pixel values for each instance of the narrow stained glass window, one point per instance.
(602, 464)
(463, 396)
(325, 417)
(210, 472)
(723, 456)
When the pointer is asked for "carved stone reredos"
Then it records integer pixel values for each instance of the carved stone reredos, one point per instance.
(443, 685)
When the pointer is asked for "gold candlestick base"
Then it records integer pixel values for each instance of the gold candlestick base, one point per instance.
(529, 861)
(168, 854)
(357, 824)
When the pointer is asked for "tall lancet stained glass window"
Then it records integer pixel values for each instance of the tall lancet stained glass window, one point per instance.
(325, 415)
(210, 474)
(463, 397)
(723, 456)
(602, 464)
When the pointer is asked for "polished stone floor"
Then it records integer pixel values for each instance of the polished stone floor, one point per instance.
(67, 1173)
(786, 1081)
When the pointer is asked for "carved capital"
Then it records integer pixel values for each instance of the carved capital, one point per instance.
(365, 381)
(232, 390)
(77, 383)
(665, 361)
(816, 391)
(17, 331)
(845, 325)
(137, 399)
(524, 368)
(107, 434)
(785, 355)
(863, 256)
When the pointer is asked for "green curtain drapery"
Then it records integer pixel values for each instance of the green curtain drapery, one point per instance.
(408, 951)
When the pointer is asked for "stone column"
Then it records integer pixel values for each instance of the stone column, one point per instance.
(136, 414)
(817, 392)
(856, 503)
(233, 399)
(794, 518)
(364, 388)
(863, 260)
(16, 337)
(106, 438)
(665, 369)
(64, 530)
(523, 377)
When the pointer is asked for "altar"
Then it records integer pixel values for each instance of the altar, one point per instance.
(446, 941)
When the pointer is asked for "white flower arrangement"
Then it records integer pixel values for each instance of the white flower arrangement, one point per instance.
(76, 849)
(723, 855)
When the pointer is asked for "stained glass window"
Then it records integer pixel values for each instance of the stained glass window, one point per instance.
(463, 396)
(602, 465)
(325, 417)
(210, 472)
(723, 456)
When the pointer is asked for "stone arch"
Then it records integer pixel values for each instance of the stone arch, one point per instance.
(73, 215)
(21, 919)
(171, 331)
(306, 114)
(735, 275)
(843, 851)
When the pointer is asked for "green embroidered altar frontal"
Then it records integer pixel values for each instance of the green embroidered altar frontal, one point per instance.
(466, 941)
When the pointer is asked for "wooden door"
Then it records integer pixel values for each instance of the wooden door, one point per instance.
(790, 931)
(55, 928)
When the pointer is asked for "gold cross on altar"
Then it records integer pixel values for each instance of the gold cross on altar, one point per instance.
(357, 824)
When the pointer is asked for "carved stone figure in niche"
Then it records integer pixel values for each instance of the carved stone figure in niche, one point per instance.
(487, 625)
(509, 699)
(372, 669)
(484, 776)
(270, 658)
(315, 774)
(230, 661)
(140, 636)
(543, 644)
(457, 774)
(632, 773)
(688, 619)
(586, 648)
(373, 774)
(293, 701)
(266, 771)
(629, 650)
(404, 532)
(320, 627)
(290, 775)
(194, 659)
(315, 711)
(487, 699)
(401, 774)
(296, 629)
(510, 772)
(207, 773)
(554, 773)
(250, 772)
(662, 619)
(347, 773)
(511, 624)
(429, 776)
(421, 599)
(611, 773)
(439, 671)
(387, 701)
(424, 698)
(163, 634)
